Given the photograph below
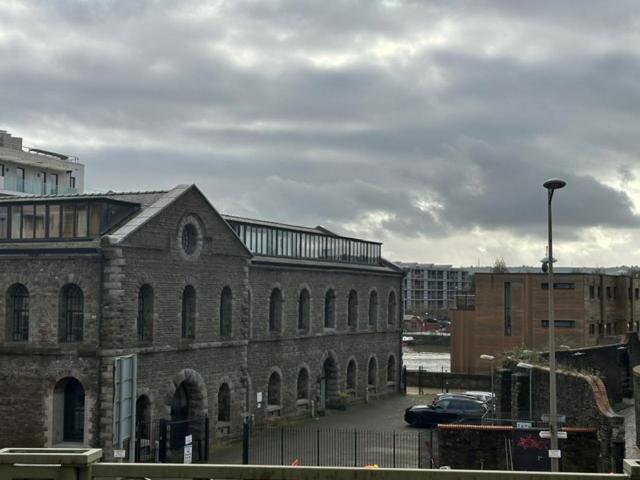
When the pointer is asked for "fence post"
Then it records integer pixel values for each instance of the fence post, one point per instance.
(420, 380)
(431, 449)
(245, 441)
(162, 434)
(206, 438)
(318, 447)
(404, 379)
(394, 449)
(419, 449)
(282, 445)
(355, 448)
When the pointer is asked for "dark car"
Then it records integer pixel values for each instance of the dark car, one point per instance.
(448, 409)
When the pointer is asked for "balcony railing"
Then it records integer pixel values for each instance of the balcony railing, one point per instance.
(34, 188)
(17, 463)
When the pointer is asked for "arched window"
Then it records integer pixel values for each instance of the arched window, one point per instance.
(68, 405)
(303, 384)
(18, 313)
(304, 309)
(188, 312)
(71, 314)
(273, 390)
(373, 308)
(391, 369)
(224, 403)
(330, 309)
(226, 308)
(352, 310)
(372, 373)
(145, 313)
(351, 375)
(392, 308)
(275, 310)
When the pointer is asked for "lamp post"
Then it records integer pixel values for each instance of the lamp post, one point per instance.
(491, 358)
(529, 367)
(552, 185)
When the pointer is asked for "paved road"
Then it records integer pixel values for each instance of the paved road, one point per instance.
(381, 415)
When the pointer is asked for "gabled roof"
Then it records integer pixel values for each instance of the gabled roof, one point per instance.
(154, 205)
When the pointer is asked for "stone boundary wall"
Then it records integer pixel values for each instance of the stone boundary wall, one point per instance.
(485, 447)
(636, 396)
(581, 398)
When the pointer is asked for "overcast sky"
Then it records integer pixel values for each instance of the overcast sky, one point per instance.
(427, 125)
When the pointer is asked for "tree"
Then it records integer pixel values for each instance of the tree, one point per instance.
(500, 266)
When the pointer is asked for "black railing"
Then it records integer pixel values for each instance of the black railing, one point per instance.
(172, 437)
(339, 448)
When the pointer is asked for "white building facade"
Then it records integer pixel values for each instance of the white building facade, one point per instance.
(428, 287)
(33, 171)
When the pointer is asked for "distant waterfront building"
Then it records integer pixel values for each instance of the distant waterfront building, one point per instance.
(429, 287)
(511, 311)
(33, 171)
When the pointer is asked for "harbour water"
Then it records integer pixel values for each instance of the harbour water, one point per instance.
(431, 358)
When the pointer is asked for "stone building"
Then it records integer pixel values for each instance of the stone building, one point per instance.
(511, 311)
(226, 317)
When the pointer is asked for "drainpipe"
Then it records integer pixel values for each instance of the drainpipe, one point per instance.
(99, 324)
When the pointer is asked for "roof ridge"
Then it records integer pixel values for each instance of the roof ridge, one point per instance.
(79, 195)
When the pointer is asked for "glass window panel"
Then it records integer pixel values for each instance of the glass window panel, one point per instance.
(41, 215)
(27, 221)
(16, 221)
(4, 222)
(81, 220)
(54, 221)
(95, 219)
(68, 220)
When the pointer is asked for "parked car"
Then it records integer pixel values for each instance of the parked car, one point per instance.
(486, 397)
(447, 409)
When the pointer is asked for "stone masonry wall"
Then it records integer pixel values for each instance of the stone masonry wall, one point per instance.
(30, 370)
(289, 349)
(581, 398)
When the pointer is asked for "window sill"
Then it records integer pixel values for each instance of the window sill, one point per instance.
(273, 410)
(303, 403)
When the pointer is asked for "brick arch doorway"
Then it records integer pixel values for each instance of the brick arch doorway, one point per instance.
(187, 408)
(329, 383)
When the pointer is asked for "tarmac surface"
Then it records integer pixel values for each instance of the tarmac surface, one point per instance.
(380, 415)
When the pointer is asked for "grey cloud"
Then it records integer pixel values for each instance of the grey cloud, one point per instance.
(165, 95)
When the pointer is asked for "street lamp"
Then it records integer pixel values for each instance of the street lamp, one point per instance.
(491, 358)
(552, 185)
(529, 367)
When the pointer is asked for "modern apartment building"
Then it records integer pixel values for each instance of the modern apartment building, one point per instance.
(511, 311)
(33, 171)
(428, 287)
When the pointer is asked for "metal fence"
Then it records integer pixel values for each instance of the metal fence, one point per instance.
(168, 439)
(287, 445)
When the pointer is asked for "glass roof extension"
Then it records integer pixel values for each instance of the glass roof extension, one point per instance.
(276, 240)
(60, 220)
